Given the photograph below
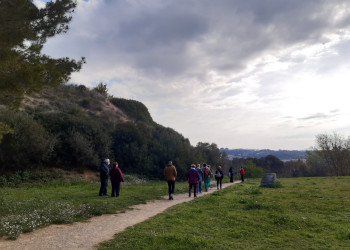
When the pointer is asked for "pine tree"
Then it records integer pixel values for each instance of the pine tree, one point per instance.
(24, 29)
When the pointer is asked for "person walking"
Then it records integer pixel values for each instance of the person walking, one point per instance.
(192, 177)
(104, 171)
(170, 175)
(206, 174)
(200, 172)
(116, 178)
(242, 173)
(230, 174)
(219, 175)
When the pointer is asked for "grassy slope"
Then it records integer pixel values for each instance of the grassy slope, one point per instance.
(306, 213)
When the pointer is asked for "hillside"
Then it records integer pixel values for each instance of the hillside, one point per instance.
(74, 99)
(75, 127)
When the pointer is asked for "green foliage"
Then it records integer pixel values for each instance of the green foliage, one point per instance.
(295, 168)
(4, 129)
(210, 154)
(24, 31)
(146, 150)
(81, 141)
(252, 171)
(134, 109)
(29, 144)
(23, 177)
(270, 164)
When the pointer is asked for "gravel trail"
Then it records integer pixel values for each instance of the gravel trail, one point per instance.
(86, 235)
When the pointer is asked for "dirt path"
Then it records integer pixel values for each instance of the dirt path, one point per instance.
(86, 235)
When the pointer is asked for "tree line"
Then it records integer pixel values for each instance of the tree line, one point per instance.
(329, 157)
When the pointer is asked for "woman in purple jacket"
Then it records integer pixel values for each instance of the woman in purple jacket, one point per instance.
(116, 178)
(192, 177)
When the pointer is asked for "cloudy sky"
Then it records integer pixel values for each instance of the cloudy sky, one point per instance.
(243, 74)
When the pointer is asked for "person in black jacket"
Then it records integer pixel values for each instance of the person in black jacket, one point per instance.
(104, 171)
(219, 175)
(230, 173)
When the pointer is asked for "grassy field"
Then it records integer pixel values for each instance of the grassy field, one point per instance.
(304, 213)
(32, 206)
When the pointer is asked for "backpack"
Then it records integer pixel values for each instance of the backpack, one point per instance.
(206, 172)
(218, 174)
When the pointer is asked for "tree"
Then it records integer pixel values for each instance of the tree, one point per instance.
(4, 129)
(210, 153)
(24, 29)
(335, 151)
(251, 170)
(102, 89)
(270, 163)
(28, 145)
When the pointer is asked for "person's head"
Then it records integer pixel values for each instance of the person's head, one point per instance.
(199, 165)
(170, 163)
(220, 167)
(204, 164)
(107, 161)
(193, 165)
(115, 164)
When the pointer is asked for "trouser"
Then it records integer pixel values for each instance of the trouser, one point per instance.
(115, 189)
(206, 183)
(231, 177)
(194, 185)
(104, 184)
(242, 177)
(171, 187)
(199, 187)
(219, 183)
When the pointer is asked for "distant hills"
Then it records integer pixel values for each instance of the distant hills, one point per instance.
(284, 155)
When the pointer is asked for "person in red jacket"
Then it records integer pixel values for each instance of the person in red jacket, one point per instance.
(242, 172)
(192, 177)
(116, 177)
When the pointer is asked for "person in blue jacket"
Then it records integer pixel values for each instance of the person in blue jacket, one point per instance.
(200, 172)
(104, 171)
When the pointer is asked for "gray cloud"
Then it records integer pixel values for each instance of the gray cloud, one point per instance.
(320, 116)
(228, 61)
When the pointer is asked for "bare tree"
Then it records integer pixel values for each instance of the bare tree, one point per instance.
(335, 150)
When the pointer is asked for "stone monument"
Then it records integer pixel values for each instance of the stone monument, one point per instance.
(269, 180)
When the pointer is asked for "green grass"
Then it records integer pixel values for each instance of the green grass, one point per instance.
(303, 213)
(33, 206)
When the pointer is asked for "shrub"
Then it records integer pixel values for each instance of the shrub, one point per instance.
(251, 171)
(29, 144)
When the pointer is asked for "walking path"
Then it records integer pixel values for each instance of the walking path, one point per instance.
(86, 235)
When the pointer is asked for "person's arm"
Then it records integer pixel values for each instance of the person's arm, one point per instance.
(121, 174)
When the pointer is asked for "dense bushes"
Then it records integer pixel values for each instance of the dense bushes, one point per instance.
(136, 110)
(145, 150)
(81, 141)
(29, 144)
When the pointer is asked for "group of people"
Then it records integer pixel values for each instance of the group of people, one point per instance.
(196, 175)
(115, 175)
